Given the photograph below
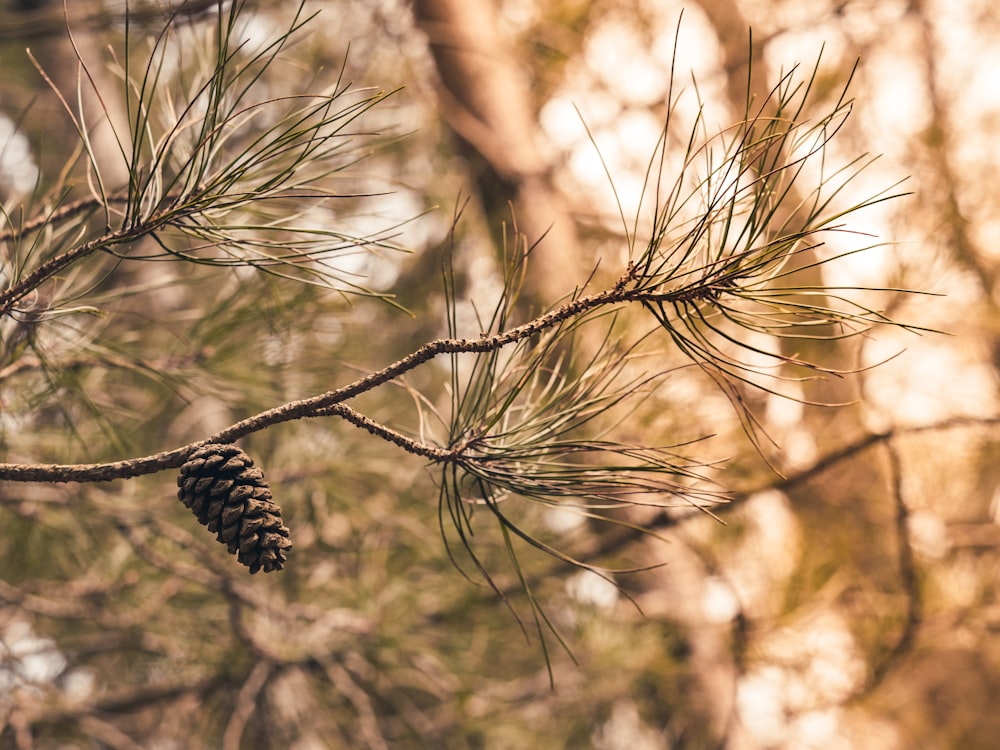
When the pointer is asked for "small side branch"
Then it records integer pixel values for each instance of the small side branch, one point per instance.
(16, 291)
(58, 263)
(55, 216)
(908, 577)
(438, 455)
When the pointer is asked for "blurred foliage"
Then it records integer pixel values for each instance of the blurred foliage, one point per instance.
(849, 599)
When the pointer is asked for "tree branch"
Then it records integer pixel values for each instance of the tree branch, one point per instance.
(328, 403)
(57, 263)
(633, 286)
(59, 214)
(908, 578)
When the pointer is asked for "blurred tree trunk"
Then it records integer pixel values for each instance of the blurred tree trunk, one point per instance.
(716, 656)
(25, 96)
(486, 103)
(945, 191)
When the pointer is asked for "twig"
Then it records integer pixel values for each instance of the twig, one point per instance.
(54, 265)
(131, 699)
(64, 212)
(610, 544)
(415, 447)
(57, 263)
(246, 703)
(47, 22)
(347, 685)
(67, 211)
(907, 574)
(867, 441)
(321, 405)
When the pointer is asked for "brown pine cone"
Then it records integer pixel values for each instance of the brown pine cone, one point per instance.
(228, 495)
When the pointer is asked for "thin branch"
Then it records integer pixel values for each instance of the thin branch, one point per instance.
(316, 406)
(131, 699)
(60, 214)
(246, 704)
(671, 517)
(415, 447)
(56, 264)
(322, 405)
(68, 211)
(907, 574)
(867, 441)
(48, 21)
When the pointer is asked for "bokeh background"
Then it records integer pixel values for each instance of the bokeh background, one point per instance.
(849, 601)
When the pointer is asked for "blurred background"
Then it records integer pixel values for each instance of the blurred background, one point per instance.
(849, 601)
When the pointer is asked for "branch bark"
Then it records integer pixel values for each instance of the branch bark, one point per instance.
(331, 402)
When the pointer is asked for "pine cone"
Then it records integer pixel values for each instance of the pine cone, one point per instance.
(228, 495)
